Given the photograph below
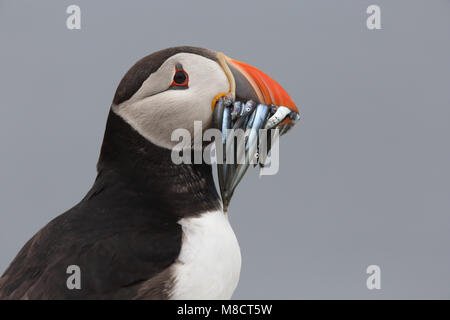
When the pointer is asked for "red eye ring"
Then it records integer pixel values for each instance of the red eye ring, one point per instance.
(180, 78)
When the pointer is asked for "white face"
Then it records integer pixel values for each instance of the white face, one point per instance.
(157, 108)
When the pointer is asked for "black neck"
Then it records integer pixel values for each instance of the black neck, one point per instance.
(146, 172)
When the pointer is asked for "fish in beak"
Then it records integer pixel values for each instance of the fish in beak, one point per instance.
(255, 102)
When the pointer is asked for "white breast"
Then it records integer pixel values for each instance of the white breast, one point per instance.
(209, 263)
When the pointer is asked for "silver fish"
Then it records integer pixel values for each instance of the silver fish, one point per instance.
(279, 116)
(249, 117)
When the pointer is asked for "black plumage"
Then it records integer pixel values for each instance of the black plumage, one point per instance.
(124, 234)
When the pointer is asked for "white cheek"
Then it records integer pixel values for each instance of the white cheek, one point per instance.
(158, 123)
(156, 117)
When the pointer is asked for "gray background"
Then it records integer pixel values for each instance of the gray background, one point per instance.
(365, 176)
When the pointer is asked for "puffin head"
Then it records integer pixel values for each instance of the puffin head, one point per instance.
(172, 88)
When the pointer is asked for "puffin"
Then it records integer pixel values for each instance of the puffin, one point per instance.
(148, 228)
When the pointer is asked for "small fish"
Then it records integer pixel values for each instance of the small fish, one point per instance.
(237, 107)
(278, 117)
(218, 113)
(294, 116)
(249, 117)
(257, 122)
(226, 123)
(248, 107)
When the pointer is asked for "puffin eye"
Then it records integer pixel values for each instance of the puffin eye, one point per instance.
(181, 78)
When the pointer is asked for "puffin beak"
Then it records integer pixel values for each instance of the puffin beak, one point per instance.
(254, 102)
(253, 84)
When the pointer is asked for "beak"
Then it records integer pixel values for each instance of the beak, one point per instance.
(253, 84)
(248, 83)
